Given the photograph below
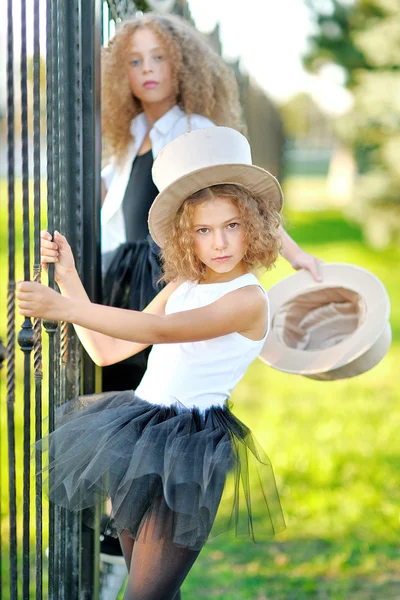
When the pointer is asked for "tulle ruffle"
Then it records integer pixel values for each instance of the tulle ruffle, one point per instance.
(207, 467)
(132, 278)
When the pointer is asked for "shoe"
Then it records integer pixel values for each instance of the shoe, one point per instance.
(109, 543)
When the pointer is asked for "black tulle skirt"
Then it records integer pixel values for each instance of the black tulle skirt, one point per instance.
(205, 466)
(132, 277)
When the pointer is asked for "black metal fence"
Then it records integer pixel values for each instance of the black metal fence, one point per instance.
(52, 111)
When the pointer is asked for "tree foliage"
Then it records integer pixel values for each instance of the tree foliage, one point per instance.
(300, 113)
(363, 37)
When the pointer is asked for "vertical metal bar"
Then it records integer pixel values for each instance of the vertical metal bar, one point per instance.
(11, 308)
(58, 195)
(51, 327)
(57, 162)
(2, 358)
(25, 337)
(63, 69)
(37, 322)
(56, 82)
(91, 46)
(91, 20)
(71, 216)
(24, 139)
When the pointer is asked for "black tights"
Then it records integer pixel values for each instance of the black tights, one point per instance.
(156, 569)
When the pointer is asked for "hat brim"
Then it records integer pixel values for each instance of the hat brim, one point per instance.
(167, 203)
(364, 348)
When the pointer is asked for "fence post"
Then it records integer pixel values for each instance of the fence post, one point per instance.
(91, 27)
(81, 186)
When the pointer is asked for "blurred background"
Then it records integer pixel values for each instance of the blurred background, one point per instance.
(320, 87)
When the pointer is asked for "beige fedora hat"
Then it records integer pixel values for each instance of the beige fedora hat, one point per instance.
(199, 159)
(335, 329)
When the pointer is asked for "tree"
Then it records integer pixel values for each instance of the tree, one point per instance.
(363, 37)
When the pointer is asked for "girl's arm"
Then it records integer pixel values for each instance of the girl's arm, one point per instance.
(298, 258)
(102, 349)
(243, 311)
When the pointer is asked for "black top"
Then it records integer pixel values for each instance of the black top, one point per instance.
(139, 195)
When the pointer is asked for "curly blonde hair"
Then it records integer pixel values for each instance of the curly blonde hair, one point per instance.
(205, 84)
(260, 221)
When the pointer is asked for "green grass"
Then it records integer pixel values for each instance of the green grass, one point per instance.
(336, 455)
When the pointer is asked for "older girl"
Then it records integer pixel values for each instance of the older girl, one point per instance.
(160, 79)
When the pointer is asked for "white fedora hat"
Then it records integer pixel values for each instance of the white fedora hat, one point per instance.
(335, 329)
(199, 159)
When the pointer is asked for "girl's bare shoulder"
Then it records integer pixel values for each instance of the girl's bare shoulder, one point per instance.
(252, 297)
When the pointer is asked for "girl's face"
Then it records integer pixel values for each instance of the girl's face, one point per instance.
(150, 70)
(219, 240)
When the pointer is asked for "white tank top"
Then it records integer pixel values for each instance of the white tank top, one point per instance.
(204, 373)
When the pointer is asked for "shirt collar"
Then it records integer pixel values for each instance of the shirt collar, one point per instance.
(163, 125)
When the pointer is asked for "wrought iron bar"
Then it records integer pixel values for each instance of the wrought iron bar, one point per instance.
(37, 323)
(51, 327)
(2, 358)
(11, 309)
(56, 82)
(63, 69)
(25, 337)
(91, 19)
(71, 218)
(26, 341)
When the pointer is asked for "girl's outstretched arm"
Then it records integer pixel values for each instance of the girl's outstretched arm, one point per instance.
(298, 258)
(244, 311)
(103, 349)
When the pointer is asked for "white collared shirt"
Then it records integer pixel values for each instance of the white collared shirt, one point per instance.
(116, 176)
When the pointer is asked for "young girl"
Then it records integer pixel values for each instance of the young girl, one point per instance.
(160, 79)
(169, 453)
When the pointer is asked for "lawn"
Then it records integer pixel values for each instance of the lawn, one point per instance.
(336, 455)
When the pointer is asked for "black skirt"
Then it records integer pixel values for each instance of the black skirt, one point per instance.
(131, 281)
(132, 277)
(205, 466)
